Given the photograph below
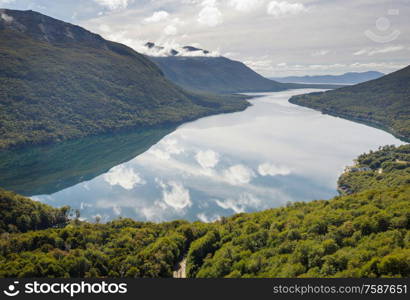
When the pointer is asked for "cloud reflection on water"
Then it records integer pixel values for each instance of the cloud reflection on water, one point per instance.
(272, 153)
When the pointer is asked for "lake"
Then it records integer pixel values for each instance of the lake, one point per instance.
(266, 156)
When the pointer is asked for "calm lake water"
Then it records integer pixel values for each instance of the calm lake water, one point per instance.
(272, 153)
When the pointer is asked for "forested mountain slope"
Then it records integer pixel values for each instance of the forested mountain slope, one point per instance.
(384, 102)
(197, 70)
(59, 81)
(365, 234)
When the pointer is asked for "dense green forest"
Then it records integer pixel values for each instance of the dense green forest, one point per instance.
(364, 234)
(59, 81)
(383, 103)
(389, 168)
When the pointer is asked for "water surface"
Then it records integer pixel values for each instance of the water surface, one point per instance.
(272, 153)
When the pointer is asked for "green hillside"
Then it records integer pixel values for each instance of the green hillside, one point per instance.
(221, 75)
(365, 234)
(59, 81)
(383, 103)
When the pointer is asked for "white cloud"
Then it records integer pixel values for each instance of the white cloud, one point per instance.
(158, 153)
(124, 177)
(116, 210)
(157, 17)
(283, 8)
(268, 169)
(203, 218)
(238, 175)
(244, 5)
(175, 195)
(114, 4)
(170, 30)
(210, 15)
(245, 200)
(373, 51)
(6, 18)
(84, 205)
(171, 146)
(336, 68)
(322, 52)
(207, 159)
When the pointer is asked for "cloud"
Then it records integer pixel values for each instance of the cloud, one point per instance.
(262, 64)
(245, 201)
(158, 153)
(171, 146)
(268, 169)
(114, 4)
(124, 177)
(283, 8)
(6, 18)
(207, 159)
(203, 218)
(210, 15)
(175, 195)
(170, 30)
(238, 175)
(116, 210)
(322, 52)
(244, 5)
(336, 68)
(84, 205)
(167, 48)
(373, 51)
(157, 17)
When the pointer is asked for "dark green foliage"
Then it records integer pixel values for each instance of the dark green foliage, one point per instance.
(384, 103)
(365, 234)
(59, 82)
(199, 250)
(390, 167)
(19, 214)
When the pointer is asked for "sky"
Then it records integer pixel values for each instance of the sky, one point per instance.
(275, 38)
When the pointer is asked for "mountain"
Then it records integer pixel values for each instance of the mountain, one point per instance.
(382, 103)
(199, 70)
(365, 234)
(59, 81)
(346, 79)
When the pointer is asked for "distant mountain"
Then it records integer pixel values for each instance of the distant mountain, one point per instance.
(200, 70)
(59, 81)
(383, 103)
(347, 78)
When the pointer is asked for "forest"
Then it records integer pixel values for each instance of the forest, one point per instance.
(70, 83)
(383, 103)
(365, 233)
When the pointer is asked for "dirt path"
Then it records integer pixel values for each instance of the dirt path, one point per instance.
(181, 272)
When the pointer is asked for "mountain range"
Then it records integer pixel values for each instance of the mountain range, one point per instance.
(346, 78)
(200, 70)
(59, 81)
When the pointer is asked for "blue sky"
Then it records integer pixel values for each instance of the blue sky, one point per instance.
(276, 38)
